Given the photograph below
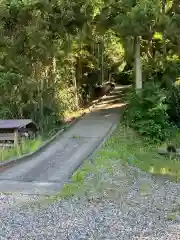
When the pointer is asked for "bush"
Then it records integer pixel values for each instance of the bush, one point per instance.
(123, 78)
(147, 112)
(161, 71)
(174, 103)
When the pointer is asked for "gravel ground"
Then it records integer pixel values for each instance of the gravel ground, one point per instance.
(124, 204)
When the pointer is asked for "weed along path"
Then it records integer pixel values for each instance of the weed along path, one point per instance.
(47, 172)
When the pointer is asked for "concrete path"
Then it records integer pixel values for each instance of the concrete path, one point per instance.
(46, 173)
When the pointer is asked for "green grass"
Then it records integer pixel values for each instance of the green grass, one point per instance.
(27, 146)
(124, 147)
(24, 147)
(133, 149)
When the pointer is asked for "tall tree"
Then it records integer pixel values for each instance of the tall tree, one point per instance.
(135, 20)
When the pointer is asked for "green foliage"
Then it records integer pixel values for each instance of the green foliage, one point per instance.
(162, 71)
(171, 72)
(138, 19)
(147, 112)
(26, 146)
(48, 52)
(173, 30)
(174, 103)
(53, 53)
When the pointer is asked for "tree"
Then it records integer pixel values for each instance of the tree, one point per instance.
(133, 20)
(41, 44)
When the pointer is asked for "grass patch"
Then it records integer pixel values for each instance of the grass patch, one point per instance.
(29, 145)
(124, 147)
(24, 147)
(134, 149)
(77, 182)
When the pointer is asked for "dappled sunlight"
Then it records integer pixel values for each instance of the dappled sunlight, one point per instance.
(110, 106)
(114, 100)
(69, 115)
(173, 174)
(111, 101)
(163, 170)
(151, 170)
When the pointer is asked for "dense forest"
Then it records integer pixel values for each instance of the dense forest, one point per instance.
(53, 52)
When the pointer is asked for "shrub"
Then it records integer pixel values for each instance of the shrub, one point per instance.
(174, 103)
(161, 71)
(147, 112)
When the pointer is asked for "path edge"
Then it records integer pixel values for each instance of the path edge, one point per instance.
(91, 155)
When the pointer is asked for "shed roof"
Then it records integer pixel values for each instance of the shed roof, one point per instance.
(15, 123)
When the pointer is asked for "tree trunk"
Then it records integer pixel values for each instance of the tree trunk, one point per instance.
(176, 6)
(77, 79)
(164, 35)
(42, 100)
(163, 6)
(54, 67)
(138, 67)
(99, 62)
(102, 62)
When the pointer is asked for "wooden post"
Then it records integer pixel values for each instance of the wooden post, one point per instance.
(16, 137)
(138, 67)
(16, 142)
(102, 62)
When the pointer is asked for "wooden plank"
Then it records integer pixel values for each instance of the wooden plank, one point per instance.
(15, 123)
(6, 145)
(6, 136)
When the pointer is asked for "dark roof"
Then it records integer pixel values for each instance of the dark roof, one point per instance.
(15, 124)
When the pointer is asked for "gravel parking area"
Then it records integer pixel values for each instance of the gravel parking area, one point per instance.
(124, 204)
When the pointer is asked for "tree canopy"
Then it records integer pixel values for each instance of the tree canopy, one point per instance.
(54, 52)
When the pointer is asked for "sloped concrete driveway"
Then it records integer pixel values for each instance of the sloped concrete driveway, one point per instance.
(49, 170)
(123, 204)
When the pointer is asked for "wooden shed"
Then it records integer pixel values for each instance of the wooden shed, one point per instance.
(14, 130)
